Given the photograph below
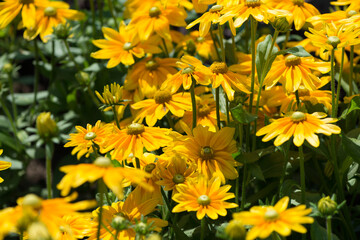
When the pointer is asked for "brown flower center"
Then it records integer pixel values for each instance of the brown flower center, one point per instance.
(135, 129)
(150, 167)
(50, 11)
(127, 46)
(204, 200)
(298, 2)
(162, 96)
(102, 162)
(178, 178)
(26, 1)
(154, 12)
(292, 60)
(151, 65)
(252, 3)
(298, 116)
(271, 215)
(90, 136)
(219, 67)
(216, 8)
(206, 153)
(204, 110)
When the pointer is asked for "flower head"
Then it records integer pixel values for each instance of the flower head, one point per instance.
(3, 165)
(46, 126)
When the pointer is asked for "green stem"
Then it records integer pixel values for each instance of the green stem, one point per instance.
(137, 162)
(76, 4)
(339, 82)
(215, 45)
(286, 40)
(37, 79)
(233, 44)
(13, 104)
(100, 7)
(243, 187)
(92, 96)
(351, 70)
(71, 55)
(286, 148)
(92, 7)
(333, 97)
(7, 113)
(203, 228)
(297, 99)
(237, 183)
(116, 117)
(253, 56)
(49, 152)
(193, 103)
(302, 174)
(101, 189)
(112, 12)
(171, 122)
(167, 203)
(217, 98)
(221, 37)
(166, 51)
(227, 110)
(52, 73)
(328, 228)
(95, 150)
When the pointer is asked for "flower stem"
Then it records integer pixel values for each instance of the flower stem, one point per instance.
(101, 189)
(217, 98)
(167, 203)
(351, 70)
(100, 7)
(52, 73)
(36, 80)
(116, 117)
(13, 104)
(171, 122)
(286, 40)
(328, 228)
(332, 83)
(286, 148)
(92, 7)
(253, 56)
(193, 103)
(166, 51)
(112, 12)
(49, 152)
(339, 82)
(71, 55)
(302, 173)
(243, 187)
(215, 45)
(227, 110)
(137, 162)
(7, 113)
(203, 226)
(221, 37)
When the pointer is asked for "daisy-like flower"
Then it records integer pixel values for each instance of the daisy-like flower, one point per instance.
(111, 96)
(336, 17)
(83, 141)
(293, 71)
(132, 209)
(49, 14)
(164, 101)
(353, 4)
(211, 152)
(118, 46)
(299, 9)
(114, 177)
(229, 80)
(205, 197)
(266, 219)
(151, 73)
(134, 139)
(191, 68)
(157, 19)
(3, 165)
(74, 227)
(300, 125)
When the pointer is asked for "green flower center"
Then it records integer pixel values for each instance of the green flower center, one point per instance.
(154, 12)
(333, 41)
(200, 39)
(216, 8)
(204, 200)
(90, 136)
(151, 65)
(206, 153)
(219, 67)
(162, 96)
(351, 13)
(252, 3)
(187, 70)
(50, 11)
(298, 2)
(127, 46)
(150, 167)
(271, 215)
(178, 178)
(292, 60)
(135, 129)
(102, 162)
(298, 116)
(31, 200)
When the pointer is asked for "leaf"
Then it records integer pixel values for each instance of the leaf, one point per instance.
(352, 147)
(297, 51)
(25, 99)
(251, 157)
(262, 54)
(256, 171)
(354, 105)
(318, 232)
(241, 115)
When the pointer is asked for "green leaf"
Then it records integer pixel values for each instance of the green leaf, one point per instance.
(262, 54)
(9, 141)
(256, 171)
(354, 105)
(241, 115)
(297, 51)
(25, 99)
(352, 147)
(318, 232)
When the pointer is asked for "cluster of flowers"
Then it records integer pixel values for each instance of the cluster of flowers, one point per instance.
(193, 157)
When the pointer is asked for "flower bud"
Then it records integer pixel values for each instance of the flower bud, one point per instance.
(235, 230)
(142, 228)
(333, 41)
(8, 68)
(154, 236)
(38, 231)
(281, 24)
(62, 31)
(119, 223)
(83, 78)
(327, 206)
(190, 47)
(46, 126)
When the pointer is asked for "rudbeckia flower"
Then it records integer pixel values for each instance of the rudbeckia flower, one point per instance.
(118, 46)
(114, 177)
(134, 139)
(353, 4)
(83, 141)
(336, 17)
(132, 209)
(211, 152)
(74, 227)
(293, 71)
(300, 125)
(205, 197)
(164, 101)
(48, 15)
(267, 219)
(3, 165)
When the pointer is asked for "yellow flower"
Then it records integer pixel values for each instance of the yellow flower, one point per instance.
(244, 64)
(211, 152)
(293, 71)
(48, 15)
(300, 125)
(191, 68)
(353, 4)
(163, 102)
(205, 197)
(74, 227)
(84, 139)
(266, 219)
(156, 18)
(336, 17)
(229, 80)
(132, 209)
(134, 139)
(46, 126)
(118, 46)
(3, 165)
(112, 95)
(114, 177)
(299, 9)
(151, 73)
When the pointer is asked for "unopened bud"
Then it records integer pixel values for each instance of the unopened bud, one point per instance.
(235, 230)
(333, 41)
(83, 78)
(327, 206)
(46, 126)
(62, 30)
(190, 47)
(281, 24)
(38, 231)
(119, 223)
(8, 67)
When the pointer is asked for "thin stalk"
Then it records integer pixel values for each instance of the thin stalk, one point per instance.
(95, 150)
(92, 95)
(328, 228)
(286, 158)
(227, 110)
(100, 7)
(166, 51)
(137, 162)
(215, 45)
(112, 12)
(49, 152)
(221, 37)
(333, 97)
(302, 174)
(117, 234)
(253, 56)
(76, 4)
(237, 181)
(13, 104)
(8, 115)
(116, 117)
(92, 7)
(193, 103)
(297, 99)
(286, 40)
(339, 82)
(101, 189)
(37, 79)
(52, 73)
(203, 226)
(243, 187)
(167, 203)
(71, 55)
(170, 121)
(233, 44)
(217, 99)
(351, 70)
